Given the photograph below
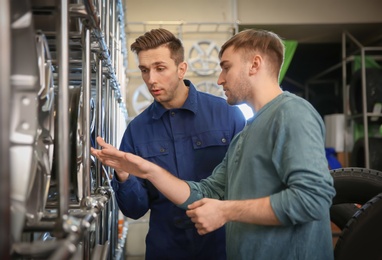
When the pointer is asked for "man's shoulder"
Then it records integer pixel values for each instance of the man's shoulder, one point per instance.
(294, 102)
(296, 109)
(143, 117)
(212, 100)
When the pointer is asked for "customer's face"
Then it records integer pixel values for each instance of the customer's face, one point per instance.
(161, 75)
(234, 76)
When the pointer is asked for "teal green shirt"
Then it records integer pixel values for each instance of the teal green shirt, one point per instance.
(280, 154)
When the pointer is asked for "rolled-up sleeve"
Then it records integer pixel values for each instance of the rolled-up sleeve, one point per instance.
(300, 160)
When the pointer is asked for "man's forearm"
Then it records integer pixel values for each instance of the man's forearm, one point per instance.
(256, 211)
(173, 188)
(125, 164)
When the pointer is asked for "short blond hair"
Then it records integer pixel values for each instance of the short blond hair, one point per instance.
(265, 42)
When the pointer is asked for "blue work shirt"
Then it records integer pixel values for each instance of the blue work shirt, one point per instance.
(188, 142)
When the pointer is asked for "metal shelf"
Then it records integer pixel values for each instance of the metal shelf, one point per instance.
(361, 51)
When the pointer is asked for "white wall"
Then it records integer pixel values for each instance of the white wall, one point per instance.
(257, 11)
(179, 10)
(309, 11)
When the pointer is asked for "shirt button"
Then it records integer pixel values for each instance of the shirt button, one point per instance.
(162, 150)
(198, 143)
(224, 140)
(172, 113)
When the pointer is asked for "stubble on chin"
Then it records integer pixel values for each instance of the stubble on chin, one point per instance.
(231, 101)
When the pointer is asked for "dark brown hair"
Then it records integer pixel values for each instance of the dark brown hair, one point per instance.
(265, 42)
(158, 37)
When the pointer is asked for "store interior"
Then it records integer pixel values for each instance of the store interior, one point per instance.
(67, 75)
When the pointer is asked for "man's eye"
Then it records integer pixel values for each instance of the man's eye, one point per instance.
(160, 68)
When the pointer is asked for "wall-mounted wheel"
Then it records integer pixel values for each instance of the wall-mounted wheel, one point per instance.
(203, 58)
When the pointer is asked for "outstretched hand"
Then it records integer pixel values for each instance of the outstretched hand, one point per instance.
(119, 160)
(108, 155)
(127, 163)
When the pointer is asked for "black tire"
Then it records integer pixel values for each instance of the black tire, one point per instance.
(373, 93)
(361, 238)
(356, 185)
(357, 158)
(340, 214)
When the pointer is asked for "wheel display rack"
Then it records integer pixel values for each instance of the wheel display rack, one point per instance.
(62, 81)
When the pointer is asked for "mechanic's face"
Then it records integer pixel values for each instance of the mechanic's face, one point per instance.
(161, 75)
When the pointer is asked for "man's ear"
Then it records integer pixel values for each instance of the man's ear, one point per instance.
(255, 64)
(182, 69)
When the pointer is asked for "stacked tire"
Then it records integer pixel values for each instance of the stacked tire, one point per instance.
(373, 98)
(357, 211)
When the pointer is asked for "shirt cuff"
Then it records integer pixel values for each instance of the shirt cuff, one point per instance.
(276, 204)
(116, 184)
(194, 196)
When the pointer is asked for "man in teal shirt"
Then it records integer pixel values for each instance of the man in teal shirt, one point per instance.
(273, 189)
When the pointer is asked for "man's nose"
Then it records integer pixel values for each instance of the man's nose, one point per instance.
(152, 77)
(220, 79)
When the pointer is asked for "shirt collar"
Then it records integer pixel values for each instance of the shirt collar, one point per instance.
(190, 103)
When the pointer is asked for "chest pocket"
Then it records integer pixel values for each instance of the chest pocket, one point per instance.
(211, 138)
(153, 149)
(209, 150)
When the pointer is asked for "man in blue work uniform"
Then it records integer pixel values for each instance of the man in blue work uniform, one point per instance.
(184, 131)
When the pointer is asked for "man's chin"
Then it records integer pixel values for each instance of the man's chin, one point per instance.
(231, 102)
(235, 102)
